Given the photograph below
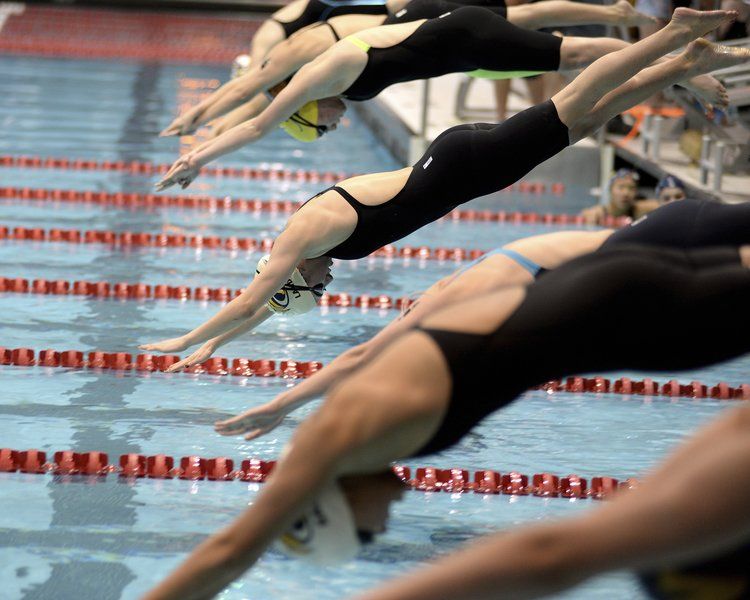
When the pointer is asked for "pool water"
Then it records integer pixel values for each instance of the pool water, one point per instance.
(84, 539)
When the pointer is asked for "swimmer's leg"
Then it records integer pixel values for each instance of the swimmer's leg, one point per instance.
(578, 99)
(559, 13)
(699, 57)
(578, 52)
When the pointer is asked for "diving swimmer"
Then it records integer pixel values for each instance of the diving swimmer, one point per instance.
(364, 213)
(331, 489)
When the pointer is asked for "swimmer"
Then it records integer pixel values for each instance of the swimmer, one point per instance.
(686, 225)
(245, 98)
(302, 13)
(351, 220)
(669, 189)
(299, 14)
(686, 529)
(623, 194)
(332, 487)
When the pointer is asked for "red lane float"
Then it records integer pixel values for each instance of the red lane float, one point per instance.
(292, 369)
(149, 168)
(130, 240)
(137, 201)
(426, 479)
(161, 291)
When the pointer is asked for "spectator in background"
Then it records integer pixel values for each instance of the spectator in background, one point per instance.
(669, 189)
(623, 194)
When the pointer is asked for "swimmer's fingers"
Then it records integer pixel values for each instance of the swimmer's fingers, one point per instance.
(200, 355)
(258, 418)
(264, 430)
(174, 128)
(181, 173)
(171, 345)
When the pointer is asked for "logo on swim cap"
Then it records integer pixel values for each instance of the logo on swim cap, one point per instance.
(296, 297)
(303, 124)
(325, 534)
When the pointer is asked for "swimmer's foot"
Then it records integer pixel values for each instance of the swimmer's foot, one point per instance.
(704, 57)
(693, 24)
(708, 90)
(626, 15)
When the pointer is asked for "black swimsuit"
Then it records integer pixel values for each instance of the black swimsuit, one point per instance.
(726, 577)
(467, 39)
(463, 163)
(431, 9)
(688, 224)
(557, 330)
(320, 10)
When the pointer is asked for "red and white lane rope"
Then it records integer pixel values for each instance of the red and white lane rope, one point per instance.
(426, 479)
(138, 201)
(132, 239)
(144, 291)
(149, 168)
(292, 369)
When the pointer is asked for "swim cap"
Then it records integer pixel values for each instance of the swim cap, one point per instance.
(303, 125)
(668, 181)
(241, 65)
(326, 533)
(296, 297)
(622, 173)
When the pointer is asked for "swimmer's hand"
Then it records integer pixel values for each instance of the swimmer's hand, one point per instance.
(177, 344)
(183, 125)
(253, 423)
(201, 354)
(182, 173)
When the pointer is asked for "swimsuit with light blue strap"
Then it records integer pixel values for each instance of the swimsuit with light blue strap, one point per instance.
(526, 263)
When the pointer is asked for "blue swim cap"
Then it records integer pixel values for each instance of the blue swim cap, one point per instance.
(622, 173)
(668, 181)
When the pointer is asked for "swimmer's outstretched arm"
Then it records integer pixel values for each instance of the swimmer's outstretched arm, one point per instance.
(661, 524)
(288, 250)
(239, 115)
(344, 437)
(284, 60)
(208, 348)
(262, 419)
(321, 78)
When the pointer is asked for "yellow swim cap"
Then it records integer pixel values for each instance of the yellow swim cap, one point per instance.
(303, 125)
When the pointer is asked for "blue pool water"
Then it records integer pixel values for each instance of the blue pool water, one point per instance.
(74, 538)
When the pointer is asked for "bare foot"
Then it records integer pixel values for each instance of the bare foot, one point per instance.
(628, 16)
(704, 57)
(698, 23)
(708, 90)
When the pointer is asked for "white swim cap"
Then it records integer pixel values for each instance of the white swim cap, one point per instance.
(325, 535)
(296, 297)
(241, 65)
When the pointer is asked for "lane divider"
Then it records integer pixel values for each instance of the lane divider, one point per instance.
(263, 173)
(196, 468)
(145, 291)
(292, 369)
(131, 239)
(216, 203)
(149, 168)
(100, 34)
